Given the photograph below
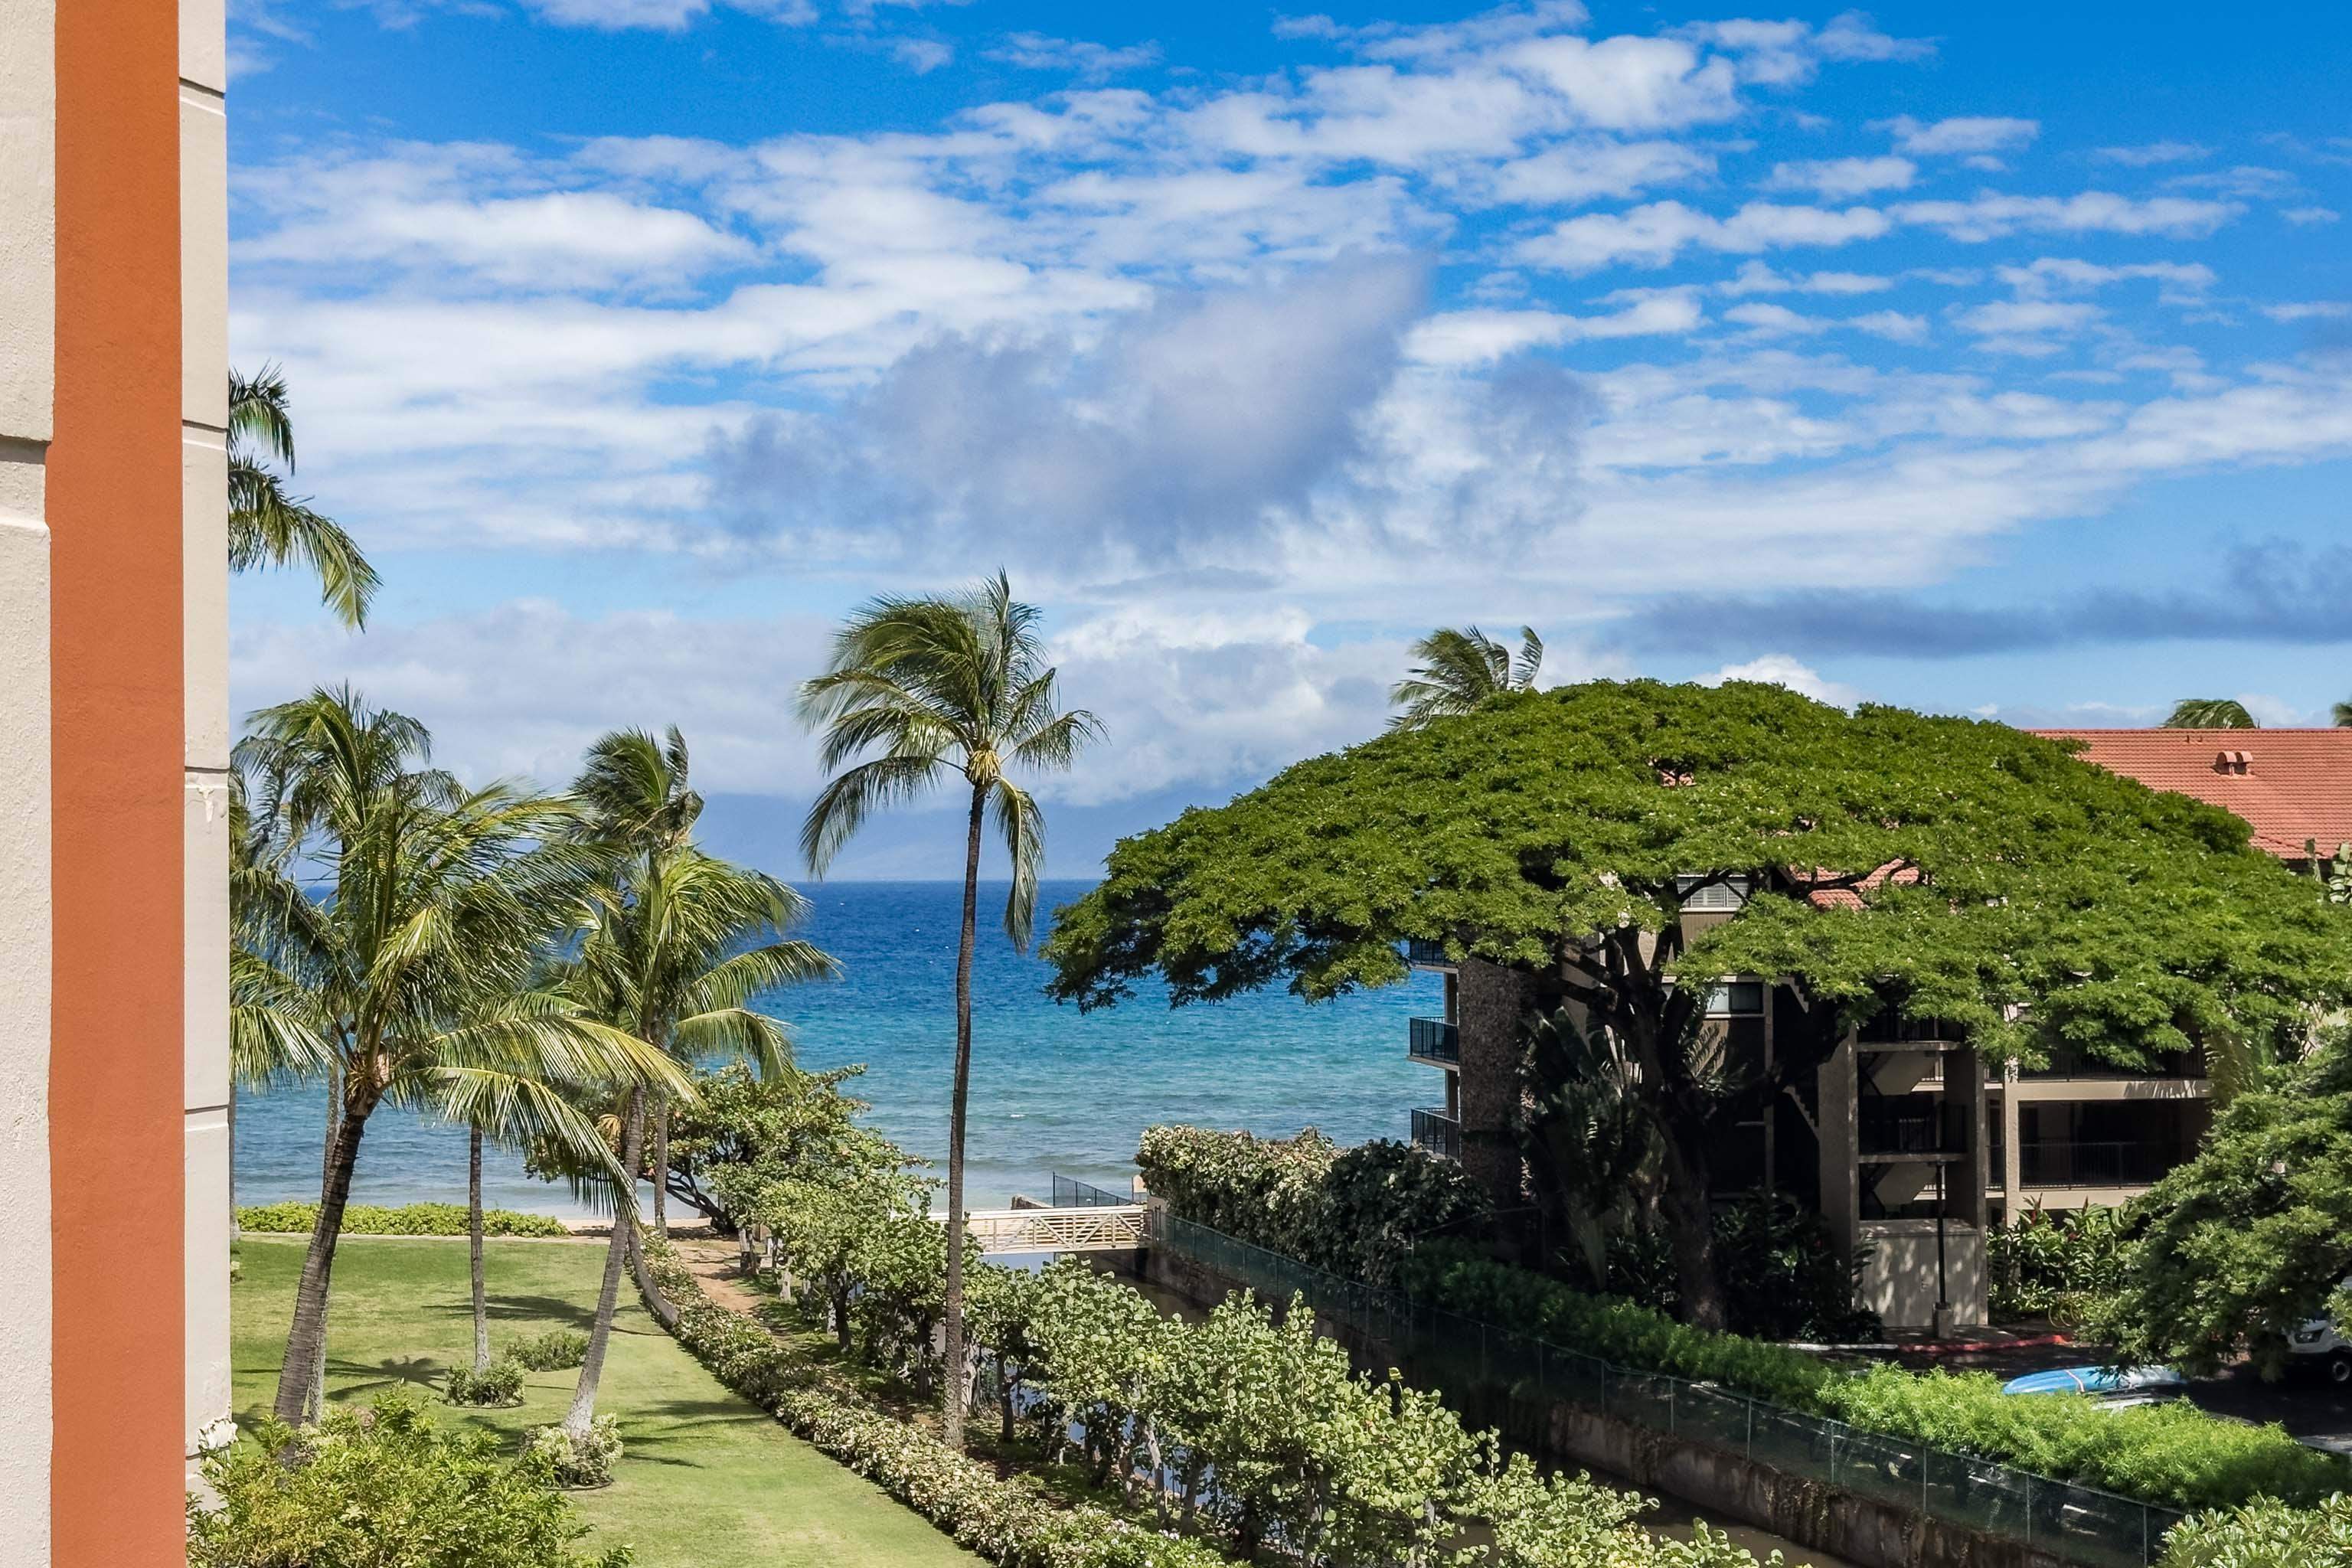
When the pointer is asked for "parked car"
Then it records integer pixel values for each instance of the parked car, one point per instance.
(2109, 1386)
(2320, 1343)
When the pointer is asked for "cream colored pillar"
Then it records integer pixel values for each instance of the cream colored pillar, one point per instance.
(204, 468)
(28, 392)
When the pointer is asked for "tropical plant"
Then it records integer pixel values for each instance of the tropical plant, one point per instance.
(1587, 1134)
(381, 1487)
(266, 526)
(672, 949)
(919, 693)
(557, 1350)
(2341, 715)
(410, 972)
(2247, 1240)
(2265, 1533)
(745, 1132)
(1886, 861)
(2210, 713)
(489, 1383)
(1461, 671)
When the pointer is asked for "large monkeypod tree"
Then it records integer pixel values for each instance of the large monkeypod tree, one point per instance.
(1940, 867)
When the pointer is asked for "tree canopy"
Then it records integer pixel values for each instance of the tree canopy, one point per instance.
(2248, 1240)
(1946, 867)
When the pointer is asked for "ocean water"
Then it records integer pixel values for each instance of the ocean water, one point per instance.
(1051, 1091)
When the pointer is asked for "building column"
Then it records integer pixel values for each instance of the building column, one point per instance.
(2012, 1151)
(28, 388)
(203, 524)
(1491, 1001)
(1840, 1147)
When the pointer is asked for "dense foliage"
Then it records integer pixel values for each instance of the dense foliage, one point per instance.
(381, 1487)
(749, 1130)
(557, 1350)
(1938, 867)
(1358, 1212)
(2175, 1454)
(2252, 1236)
(583, 1458)
(2056, 1264)
(409, 1219)
(2265, 1534)
(500, 1382)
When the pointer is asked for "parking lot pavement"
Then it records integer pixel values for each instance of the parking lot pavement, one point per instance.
(2313, 1410)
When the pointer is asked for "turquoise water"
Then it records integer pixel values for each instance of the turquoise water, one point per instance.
(1051, 1090)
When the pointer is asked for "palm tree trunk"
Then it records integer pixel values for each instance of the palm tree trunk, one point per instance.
(608, 1295)
(951, 1311)
(314, 1398)
(474, 1246)
(306, 1342)
(661, 1166)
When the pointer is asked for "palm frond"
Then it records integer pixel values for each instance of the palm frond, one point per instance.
(847, 799)
(1021, 825)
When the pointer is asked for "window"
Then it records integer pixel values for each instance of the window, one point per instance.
(1729, 893)
(1736, 998)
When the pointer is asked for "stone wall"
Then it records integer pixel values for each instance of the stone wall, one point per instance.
(1491, 1001)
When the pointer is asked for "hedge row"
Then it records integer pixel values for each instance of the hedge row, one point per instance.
(1012, 1522)
(412, 1219)
(2175, 1454)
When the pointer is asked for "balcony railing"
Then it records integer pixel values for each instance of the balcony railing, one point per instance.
(2134, 1163)
(1422, 951)
(1435, 1040)
(1925, 1135)
(1437, 1132)
(2187, 1066)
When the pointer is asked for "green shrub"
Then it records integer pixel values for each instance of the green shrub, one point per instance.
(557, 1350)
(1010, 1521)
(2175, 1455)
(2265, 1533)
(2051, 1265)
(500, 1382)
(381, 1488)
(586, 1460)
(411, 1219)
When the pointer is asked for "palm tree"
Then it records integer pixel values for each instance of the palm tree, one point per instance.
(1460, 670)
(2343, 715)
(2210, 713)
(938, 689)
(404, 976)
(268, 527)
(663, 954)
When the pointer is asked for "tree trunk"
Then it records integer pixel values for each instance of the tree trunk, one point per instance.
(474, 1247)
(314, 1397)
(608, 1295)
(306, 1342)
(661, 1166)
(952, 1428)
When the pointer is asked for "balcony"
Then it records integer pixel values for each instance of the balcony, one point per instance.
(1435, 1041)
(1921, 1137)
(1426, 954)
(2134, 1163)
(2065, 1066)
(1439, 1133)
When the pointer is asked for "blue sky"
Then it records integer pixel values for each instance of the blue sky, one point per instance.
(1993, 360)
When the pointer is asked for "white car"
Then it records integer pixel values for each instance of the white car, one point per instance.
(2323, 1338)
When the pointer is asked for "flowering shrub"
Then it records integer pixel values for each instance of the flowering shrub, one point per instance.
(2265, 1533)
(412, 1219)
(500, 1382)
(2051, 1265)
(381, 1487)
(558, 1350)
(586, 1461)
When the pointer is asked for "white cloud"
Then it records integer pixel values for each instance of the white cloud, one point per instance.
(1655, 235)
(1835, 178)
(1574, 172)
(2151, 152)
(1966, 133)
(922, 56)
(1075, 56)
(2311, 310)
(1756, 278)
(1892, 325)
(2183, 282)
(1481, 337)
(1993, 216)
(1781, 669)
(2305, 217)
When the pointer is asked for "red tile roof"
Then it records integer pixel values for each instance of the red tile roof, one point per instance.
(2292, 785)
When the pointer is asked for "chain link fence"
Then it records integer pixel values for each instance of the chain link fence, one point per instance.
(2078, 1523)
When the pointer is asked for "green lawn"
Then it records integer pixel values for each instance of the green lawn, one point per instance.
(708, 1481)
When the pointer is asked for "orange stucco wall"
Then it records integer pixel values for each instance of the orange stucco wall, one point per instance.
(115, 1045)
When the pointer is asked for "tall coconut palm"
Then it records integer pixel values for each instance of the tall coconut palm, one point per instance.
(1460, 670)
(2342, 715)
(928, 691)
(440, 901)
(2210, 713)
(266, 526)
(673, 949)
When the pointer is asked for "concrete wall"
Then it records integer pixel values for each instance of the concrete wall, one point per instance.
(27, 353)
(1898, 1282)
(204, 640)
